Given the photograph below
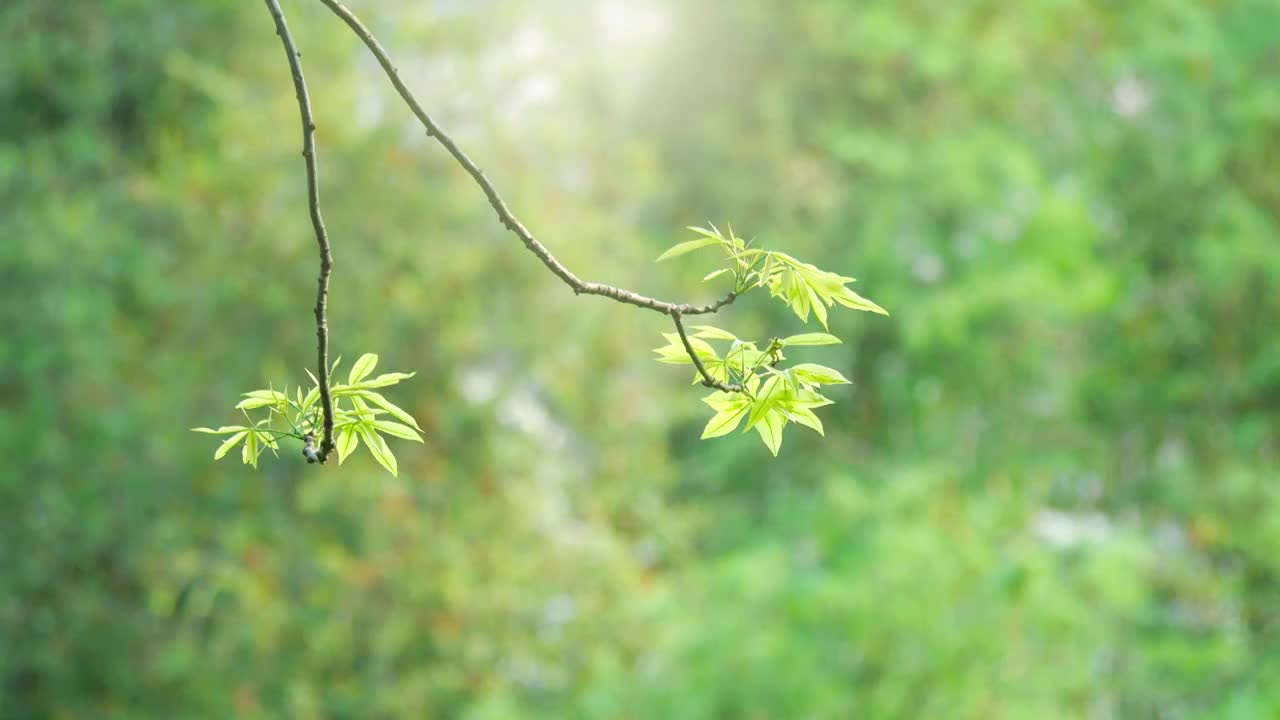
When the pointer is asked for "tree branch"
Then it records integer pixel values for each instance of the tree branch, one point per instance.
(317, 222)
(697, 362)
(505, 216)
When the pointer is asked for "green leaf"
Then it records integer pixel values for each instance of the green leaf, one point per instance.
(811, 339)
(766, 273)
(699, 346)
(385, 404)
(249, 453)
(766, 400)
(687, 246)
(712, 332)
(396, 429)
(673, 355)
(220, 431)
(313, 396)
(809, 399)
(713, 233)
(253, 403)
(715, 274)
(721, 401)
(362, 368)
(333, 369)
(228, 444)
(347, 440)
(734, 239)
(384, 380)
(803, 416)
(770, 430)
(263, 398)
(742, 357)
(797, 294)
(724, 422)
(818, 374)
(379, 448)
(819, 310)
(851, 299)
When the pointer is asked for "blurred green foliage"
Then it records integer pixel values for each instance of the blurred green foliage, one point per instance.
(1050, 490)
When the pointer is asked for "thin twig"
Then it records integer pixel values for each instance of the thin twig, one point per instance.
(505, 216)
(322, 237)
(697, 362)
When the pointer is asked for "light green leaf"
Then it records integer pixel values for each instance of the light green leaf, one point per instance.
(687, 246)
(699, 346)
(333, 369)
(737, 241)
(362, 409)
(383, 380)
(713, 233)
(673, 355)
(797, 295)
(724, 422)
(712, 332)
(249, 453)
(819, 310)
(770, 429)
(816, 338)
(220, 431)
(379, 448)
(385, 404)
(766, 400)
(809, 399)
(851, 299)
(313, 396)
(396, 429)
(253, 403)
(766, 273)
(803, 416)
(721, 401)
(362, 368)
(818, 374)
(742, 357)
(228, 444)
(347, 440)
(715, 274)
(269, 394)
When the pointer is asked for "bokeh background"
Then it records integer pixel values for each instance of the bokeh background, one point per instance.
(1052, 490)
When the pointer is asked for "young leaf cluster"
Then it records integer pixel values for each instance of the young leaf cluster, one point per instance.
(771, 396)
(362, 416)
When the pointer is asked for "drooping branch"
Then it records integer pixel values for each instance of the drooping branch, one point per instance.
(505, 216)
(707, 379)
(504, 213)
(317, 222)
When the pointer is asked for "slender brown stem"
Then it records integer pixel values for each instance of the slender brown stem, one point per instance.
(317, 222)
(505, 216)
(697, 362)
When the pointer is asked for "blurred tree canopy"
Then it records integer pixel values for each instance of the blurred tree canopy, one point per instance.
(1050, 491)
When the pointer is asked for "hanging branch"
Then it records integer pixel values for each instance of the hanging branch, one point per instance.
(505, 216)
(322, 237)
